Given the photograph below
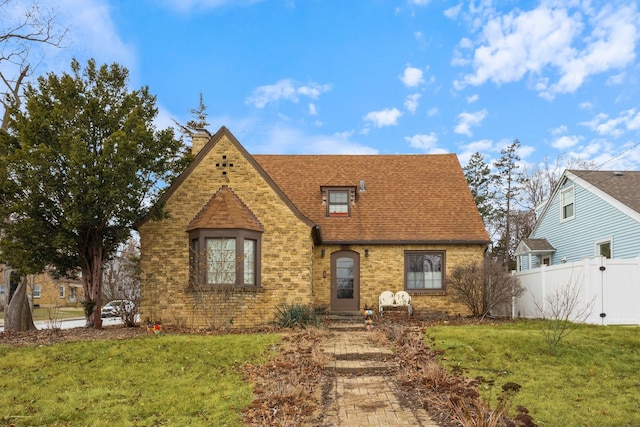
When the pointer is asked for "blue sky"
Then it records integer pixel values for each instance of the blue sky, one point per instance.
(381, 76)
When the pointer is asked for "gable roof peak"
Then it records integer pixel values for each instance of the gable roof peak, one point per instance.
(225, 210)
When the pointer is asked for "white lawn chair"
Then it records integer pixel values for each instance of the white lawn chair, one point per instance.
(403, 299)
(385, 300)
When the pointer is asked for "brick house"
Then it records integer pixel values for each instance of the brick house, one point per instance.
(246, 233)
(43, 289)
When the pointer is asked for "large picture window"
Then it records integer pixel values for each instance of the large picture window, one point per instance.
(424, 270)
(225, 257)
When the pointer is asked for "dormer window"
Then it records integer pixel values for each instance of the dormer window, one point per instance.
(338, 203)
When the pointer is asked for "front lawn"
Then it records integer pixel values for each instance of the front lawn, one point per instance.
(151, 380)
(593, 380)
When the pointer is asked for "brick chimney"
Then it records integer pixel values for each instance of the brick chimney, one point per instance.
(199, 138)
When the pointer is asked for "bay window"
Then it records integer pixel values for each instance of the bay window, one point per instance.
(225, 257)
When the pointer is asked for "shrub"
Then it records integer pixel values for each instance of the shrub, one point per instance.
(484, 287)
(293, 315)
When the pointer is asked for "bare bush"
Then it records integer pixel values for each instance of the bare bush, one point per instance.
(562, 311)
(484, 287)
(53, 320)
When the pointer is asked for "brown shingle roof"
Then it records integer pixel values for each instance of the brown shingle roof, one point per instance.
(623, 186)
(538, 245)
(407, 198)
(225, 210)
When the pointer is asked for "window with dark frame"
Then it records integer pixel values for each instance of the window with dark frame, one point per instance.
(224, 258)
(424, 271)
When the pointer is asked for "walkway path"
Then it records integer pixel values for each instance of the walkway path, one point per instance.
(363, 391)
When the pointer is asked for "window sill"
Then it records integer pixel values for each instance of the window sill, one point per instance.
(432, 292)
(238, 289)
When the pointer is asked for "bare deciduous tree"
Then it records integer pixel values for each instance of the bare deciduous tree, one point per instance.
(31, 26)
(562, 311)
(122, 279)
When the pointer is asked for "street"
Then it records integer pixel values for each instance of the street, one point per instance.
(73, 323)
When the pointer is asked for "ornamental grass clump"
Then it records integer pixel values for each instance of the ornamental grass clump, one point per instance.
(296, 315)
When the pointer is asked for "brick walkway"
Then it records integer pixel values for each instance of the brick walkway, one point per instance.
(363, 393)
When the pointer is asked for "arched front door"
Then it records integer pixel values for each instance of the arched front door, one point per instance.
(345, 281)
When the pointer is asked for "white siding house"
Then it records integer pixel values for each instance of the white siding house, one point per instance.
(587, 236)
(590, 213)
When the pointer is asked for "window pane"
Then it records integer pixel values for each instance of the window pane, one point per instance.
(344, 278)
(36, 291)
(424, 271)
(338, 202)
(567, 204)
(194, 258)
(338, 197)
(249, 262)
(221, 261)
(605, 249)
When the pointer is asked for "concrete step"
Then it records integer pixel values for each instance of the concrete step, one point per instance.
(359, 367)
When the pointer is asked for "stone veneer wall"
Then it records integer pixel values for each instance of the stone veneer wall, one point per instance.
(383, 270)
(287, 251)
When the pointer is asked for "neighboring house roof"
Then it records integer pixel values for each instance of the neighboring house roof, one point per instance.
(225, 210)
(623, 186)
(406, 198)
(540, 246)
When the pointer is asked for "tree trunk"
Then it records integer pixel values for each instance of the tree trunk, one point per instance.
(18, 317)
(92, 283)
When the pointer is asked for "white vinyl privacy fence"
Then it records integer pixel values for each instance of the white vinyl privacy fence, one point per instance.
(611, 287)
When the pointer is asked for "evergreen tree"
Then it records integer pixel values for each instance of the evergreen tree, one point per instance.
(81, 162)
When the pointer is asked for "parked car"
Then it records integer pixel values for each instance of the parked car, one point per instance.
(117, 308)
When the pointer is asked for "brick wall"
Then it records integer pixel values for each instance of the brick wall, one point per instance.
(383, 270)
(287, 249)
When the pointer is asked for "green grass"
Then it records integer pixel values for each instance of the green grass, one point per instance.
(593, 380)
(153, 380)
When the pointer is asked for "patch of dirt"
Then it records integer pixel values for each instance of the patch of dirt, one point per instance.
(52, 336)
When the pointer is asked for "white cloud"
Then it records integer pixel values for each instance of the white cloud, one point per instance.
(616, 79)
(282, 138)
(585, 105)
(312, 110)
(467, 120)
(191, 5)
(411, 102)
(565, 142)
(91, 34)
(453, 12)
(570, 41)
(419, 2)
(412, 77)
(423, 142)
(473, 98)
(603, 125)
(432, 111)
(386, 117)
(285, 89)
(559, 130)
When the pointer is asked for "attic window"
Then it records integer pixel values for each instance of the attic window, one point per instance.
(567, 197)
(338, 203)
